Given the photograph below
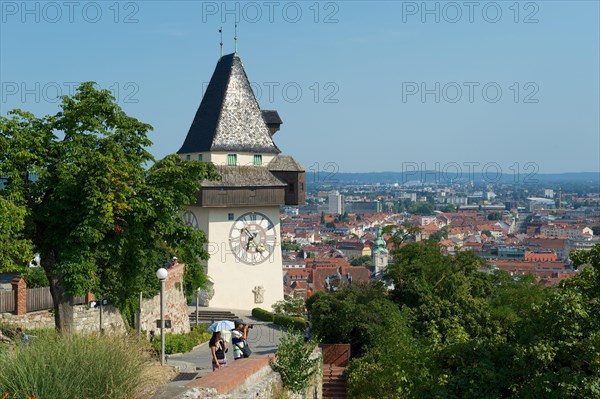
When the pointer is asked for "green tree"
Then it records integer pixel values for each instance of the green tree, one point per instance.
(16, 250)
(348, 315)
(288, 246)
(450, 208)
(322, 217)
(395, 363)
(401, 234)
(422, 208)
(439, 235)
(447, 295)
(289, 306)
(364, 260)
(99, 219)
(495, 216)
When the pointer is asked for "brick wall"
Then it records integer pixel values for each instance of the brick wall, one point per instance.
(250, 378)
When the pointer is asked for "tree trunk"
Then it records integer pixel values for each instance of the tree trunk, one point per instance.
(63, 309)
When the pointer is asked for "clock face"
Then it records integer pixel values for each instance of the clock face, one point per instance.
(252, 238)
(190, 219)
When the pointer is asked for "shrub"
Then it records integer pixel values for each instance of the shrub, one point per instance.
(181, 343)
(262, 314)
(290, 322)
(295, 361)
(72, 367)
(35, 277)
(289, 306)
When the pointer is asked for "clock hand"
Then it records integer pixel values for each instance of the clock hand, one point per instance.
(245, 230)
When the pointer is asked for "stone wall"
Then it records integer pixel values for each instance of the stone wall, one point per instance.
(176, 308)
(87, 320)
(41, 319)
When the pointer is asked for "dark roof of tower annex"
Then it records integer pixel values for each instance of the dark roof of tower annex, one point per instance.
(229, 117)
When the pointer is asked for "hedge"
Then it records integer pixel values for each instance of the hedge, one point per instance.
(262, 314)
(291, 322)
(181, 343)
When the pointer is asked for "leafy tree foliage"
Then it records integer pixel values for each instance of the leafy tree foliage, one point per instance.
(448, 330)
(494, 216)
(289, 306)
(422, 208)
(450, 208)
(401, 234)
(100, 220)
(15, 249)
(347, 316)
(439, 235)
(295, 361)
(446, 295)
(288, 246)
(364, 260)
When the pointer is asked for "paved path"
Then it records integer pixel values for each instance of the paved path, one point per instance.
(263, 339)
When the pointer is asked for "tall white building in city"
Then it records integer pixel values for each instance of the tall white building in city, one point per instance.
(336, 203)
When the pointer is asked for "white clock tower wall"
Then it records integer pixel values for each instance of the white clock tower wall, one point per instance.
(235, 281)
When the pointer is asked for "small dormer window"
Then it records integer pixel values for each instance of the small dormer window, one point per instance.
(257, 159)
(188, 157)
(231, 159)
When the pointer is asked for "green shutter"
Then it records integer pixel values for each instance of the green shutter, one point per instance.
(231, 159)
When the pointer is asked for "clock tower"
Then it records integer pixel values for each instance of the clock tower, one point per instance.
(240, 213)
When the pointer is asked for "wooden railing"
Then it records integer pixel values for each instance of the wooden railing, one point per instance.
(37, 299)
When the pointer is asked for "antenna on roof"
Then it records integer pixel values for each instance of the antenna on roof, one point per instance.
(235, 38)
(221, 33)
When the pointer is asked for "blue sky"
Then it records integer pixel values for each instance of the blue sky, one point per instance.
(364, 86)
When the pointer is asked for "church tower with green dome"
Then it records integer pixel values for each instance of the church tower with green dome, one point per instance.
(380, 254)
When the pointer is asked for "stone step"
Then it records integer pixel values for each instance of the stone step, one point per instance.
(334, 385)
(334, 382)
(334, 395)
(333, 372)
(210, 316)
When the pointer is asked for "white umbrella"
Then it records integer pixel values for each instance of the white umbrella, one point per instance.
(223, 325)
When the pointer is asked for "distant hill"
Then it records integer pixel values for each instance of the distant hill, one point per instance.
(431, 177)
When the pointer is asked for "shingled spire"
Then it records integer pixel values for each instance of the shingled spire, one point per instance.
(229, 118)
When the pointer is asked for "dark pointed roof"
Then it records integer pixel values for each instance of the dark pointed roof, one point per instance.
(229, 117)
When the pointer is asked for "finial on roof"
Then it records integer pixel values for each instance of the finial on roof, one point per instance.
(221, 44)
(235, 38)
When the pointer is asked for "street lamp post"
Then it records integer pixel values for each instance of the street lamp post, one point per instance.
(197, 300)
(162, 274)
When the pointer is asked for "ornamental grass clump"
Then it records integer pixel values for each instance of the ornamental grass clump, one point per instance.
(72, 367)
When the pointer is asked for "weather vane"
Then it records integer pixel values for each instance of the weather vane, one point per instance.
(221, 33)
(235, 38)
